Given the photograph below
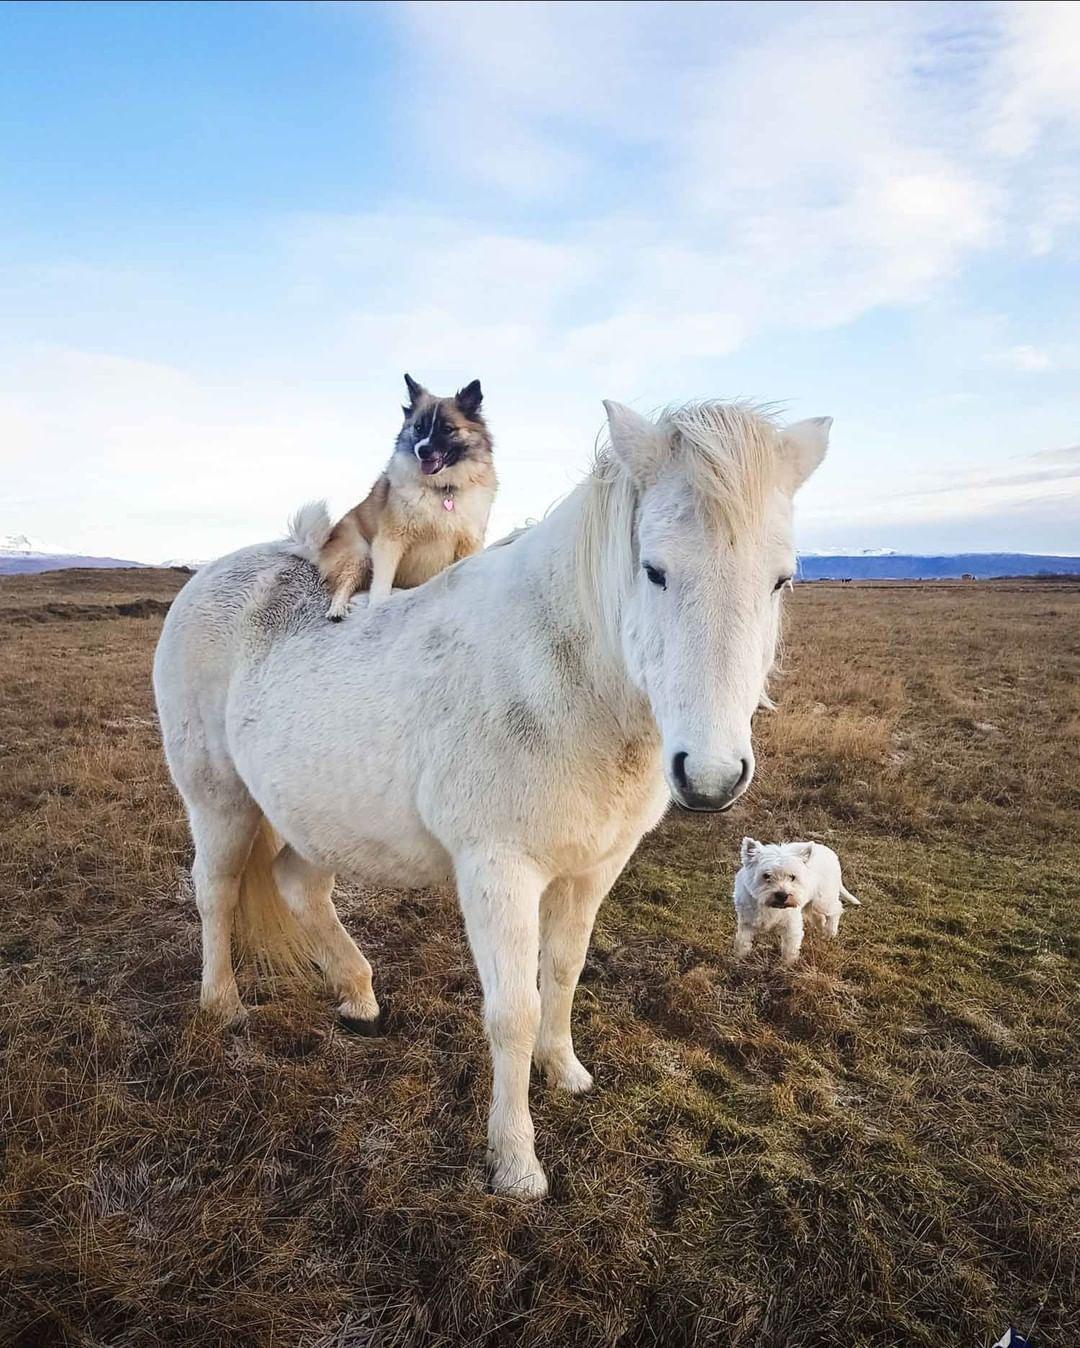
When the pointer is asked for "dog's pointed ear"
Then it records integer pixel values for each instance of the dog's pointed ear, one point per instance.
(416, 392)
(635, 442)
(804, 851)
(804, 446)
(469, 398)
(750, 849)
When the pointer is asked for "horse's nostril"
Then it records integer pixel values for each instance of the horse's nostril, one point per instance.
(678, 771)
(745, 775)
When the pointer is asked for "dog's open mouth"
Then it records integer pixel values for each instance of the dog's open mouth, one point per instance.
(432, 463)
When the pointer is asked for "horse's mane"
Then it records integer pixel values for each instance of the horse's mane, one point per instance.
(728, 452)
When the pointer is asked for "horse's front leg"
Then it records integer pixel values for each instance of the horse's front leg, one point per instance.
(567, 913)
(500, 900)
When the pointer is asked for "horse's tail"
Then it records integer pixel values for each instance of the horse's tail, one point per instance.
(848, 897)
(309, 529)
(266, 928)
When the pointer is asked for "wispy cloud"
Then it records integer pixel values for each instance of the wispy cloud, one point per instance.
(1054, 465)
(1031, 358)
(793, 175)
(1032, 507)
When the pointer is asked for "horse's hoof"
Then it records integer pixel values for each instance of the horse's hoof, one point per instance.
(574, 1079)
(566, 1074)
(229, 1012)
(228, 1022)
(518, 1179)
(368, 1026)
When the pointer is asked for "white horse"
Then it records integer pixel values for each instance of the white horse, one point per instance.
(515, 725)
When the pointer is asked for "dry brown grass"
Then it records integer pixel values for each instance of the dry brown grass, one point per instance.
(877, 1149)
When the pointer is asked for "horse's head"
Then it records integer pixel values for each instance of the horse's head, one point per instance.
(712, 489)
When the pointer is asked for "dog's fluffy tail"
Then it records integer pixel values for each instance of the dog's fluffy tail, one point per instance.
(309, 529)
(848, 897)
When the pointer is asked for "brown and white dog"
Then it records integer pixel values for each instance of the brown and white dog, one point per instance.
(428, 509)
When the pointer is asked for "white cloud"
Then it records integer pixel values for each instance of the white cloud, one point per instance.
(792, 173)
(1042, 359)
(1034, 90)
(1031, 358)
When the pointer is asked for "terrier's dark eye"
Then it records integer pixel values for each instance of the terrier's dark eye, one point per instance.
(656, 576)
(784, 580)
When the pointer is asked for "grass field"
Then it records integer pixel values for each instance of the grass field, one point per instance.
(878, 1148)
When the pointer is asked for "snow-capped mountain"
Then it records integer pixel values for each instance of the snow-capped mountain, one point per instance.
(20, 554)
(848, 552)
(22, 545)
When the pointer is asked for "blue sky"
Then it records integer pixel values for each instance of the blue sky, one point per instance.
(226, 231)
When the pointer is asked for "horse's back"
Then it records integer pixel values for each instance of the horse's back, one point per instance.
(229, 606)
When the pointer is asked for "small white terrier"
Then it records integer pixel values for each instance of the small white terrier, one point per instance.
(780, 884)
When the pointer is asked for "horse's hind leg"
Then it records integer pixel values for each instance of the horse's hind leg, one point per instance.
(307, 889)
(223, 836)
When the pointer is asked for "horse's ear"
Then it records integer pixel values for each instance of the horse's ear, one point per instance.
(635, 442)
(805, 444)
(750, 849)
(469, 398)
(416, 391)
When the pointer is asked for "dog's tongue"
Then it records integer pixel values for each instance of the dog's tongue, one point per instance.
(429, 467)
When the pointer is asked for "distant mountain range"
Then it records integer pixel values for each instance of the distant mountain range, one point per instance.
(880, 564)
(20, 554)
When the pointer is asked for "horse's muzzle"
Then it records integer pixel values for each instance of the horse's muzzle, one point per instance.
(712, 791)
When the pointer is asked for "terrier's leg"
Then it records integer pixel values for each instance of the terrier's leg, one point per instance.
(744, 937)
(791, 936)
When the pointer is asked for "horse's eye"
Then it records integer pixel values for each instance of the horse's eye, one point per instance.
(656, 576)
(784, 580)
